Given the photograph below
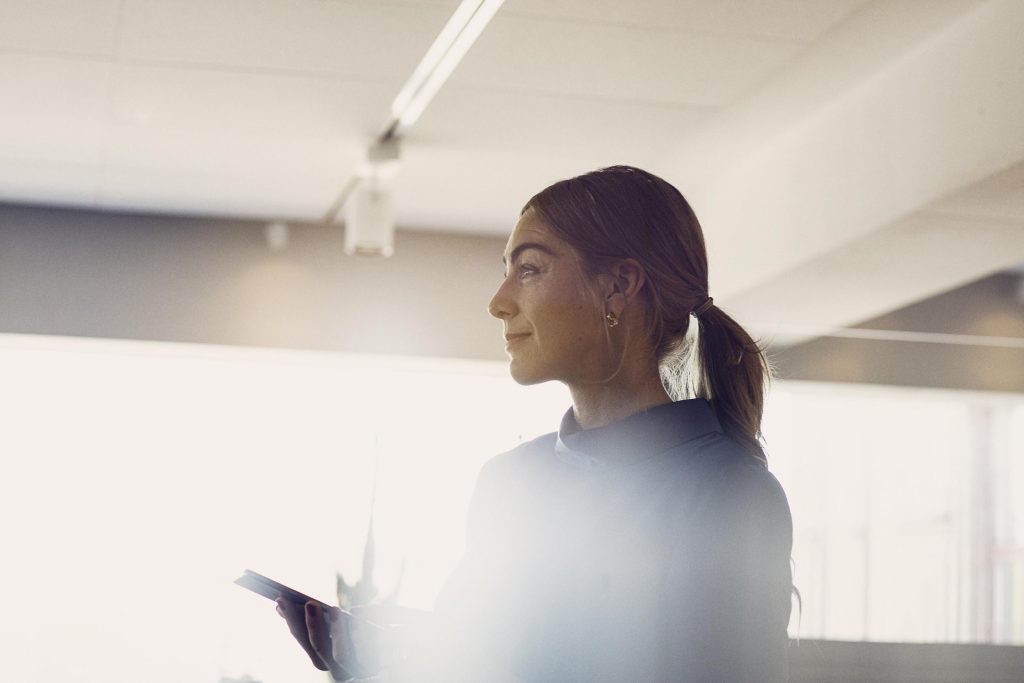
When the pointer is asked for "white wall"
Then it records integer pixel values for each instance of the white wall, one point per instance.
(95, 274)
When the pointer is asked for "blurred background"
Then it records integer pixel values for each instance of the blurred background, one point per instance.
(203, 368)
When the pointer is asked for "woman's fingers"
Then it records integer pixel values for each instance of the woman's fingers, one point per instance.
(323, 633)
(296, 619)
(320, 636)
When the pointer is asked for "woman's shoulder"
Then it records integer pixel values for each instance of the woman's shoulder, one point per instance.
(742, 498)
(736, 462)
(721, 457)
(717, 477)
(747, 483)
(527, 457)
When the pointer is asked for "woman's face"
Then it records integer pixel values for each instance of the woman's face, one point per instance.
(552, 312)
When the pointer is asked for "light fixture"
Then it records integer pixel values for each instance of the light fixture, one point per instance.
(451, 45)
(368, 202)
(366, 198)
(277, 235)
(370, 219)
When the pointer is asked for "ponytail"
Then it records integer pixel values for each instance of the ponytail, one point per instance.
(730, 369)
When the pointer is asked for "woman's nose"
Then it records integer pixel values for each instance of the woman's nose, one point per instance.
(501, 305)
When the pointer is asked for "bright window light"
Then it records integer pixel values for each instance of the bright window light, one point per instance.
(142, 478)
(907, 520)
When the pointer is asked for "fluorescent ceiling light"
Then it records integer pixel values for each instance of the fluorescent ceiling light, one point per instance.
(451, 45)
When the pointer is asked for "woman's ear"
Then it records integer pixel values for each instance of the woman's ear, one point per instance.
(626, 281)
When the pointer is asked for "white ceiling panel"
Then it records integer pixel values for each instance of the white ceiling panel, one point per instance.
(52, 110)
(369, 41)
(256, 103)
(787, 20)
(222, 173)
(873, 39)
(998, 197)
(40, 182)
(620, 63)
(912, 259)
(481, 189)
(504, 120)
(83, 27)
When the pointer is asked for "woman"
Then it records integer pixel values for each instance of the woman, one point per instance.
(645, 540)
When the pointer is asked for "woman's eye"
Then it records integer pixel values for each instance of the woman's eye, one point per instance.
(526, 269)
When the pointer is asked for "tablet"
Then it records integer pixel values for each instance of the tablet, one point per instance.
(269, 588)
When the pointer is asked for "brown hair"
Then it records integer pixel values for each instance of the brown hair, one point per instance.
(623, 212)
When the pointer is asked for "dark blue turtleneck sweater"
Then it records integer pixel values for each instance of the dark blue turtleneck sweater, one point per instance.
(652, 549)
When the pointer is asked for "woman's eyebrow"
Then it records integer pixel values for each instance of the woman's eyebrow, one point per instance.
(523, 247)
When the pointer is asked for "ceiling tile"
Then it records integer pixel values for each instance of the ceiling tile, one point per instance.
(478, 191)
(787, 20)
(224, 173)
(621, 63)
(501, 120)
(57, 182)
(270, 103)
(86, 27)
(370, 41)
(53, 109)
(1000, 196)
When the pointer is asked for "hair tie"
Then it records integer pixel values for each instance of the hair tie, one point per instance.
(708, 303)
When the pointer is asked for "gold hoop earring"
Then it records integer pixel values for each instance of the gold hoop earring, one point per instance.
(612, 320)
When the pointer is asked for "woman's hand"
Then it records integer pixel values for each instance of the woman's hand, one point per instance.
(325, 635)
(350, 646)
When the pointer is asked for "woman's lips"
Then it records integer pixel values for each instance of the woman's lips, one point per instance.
(512, 339)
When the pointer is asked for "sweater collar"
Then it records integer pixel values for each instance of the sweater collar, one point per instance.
(636, 437)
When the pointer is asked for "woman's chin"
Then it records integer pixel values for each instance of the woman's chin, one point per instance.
(523, 374)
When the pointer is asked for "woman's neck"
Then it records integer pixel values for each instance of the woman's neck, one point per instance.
(595, 405)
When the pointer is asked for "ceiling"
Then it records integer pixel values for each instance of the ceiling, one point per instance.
(847, 157)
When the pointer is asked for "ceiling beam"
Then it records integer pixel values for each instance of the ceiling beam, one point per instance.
(848, 189)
